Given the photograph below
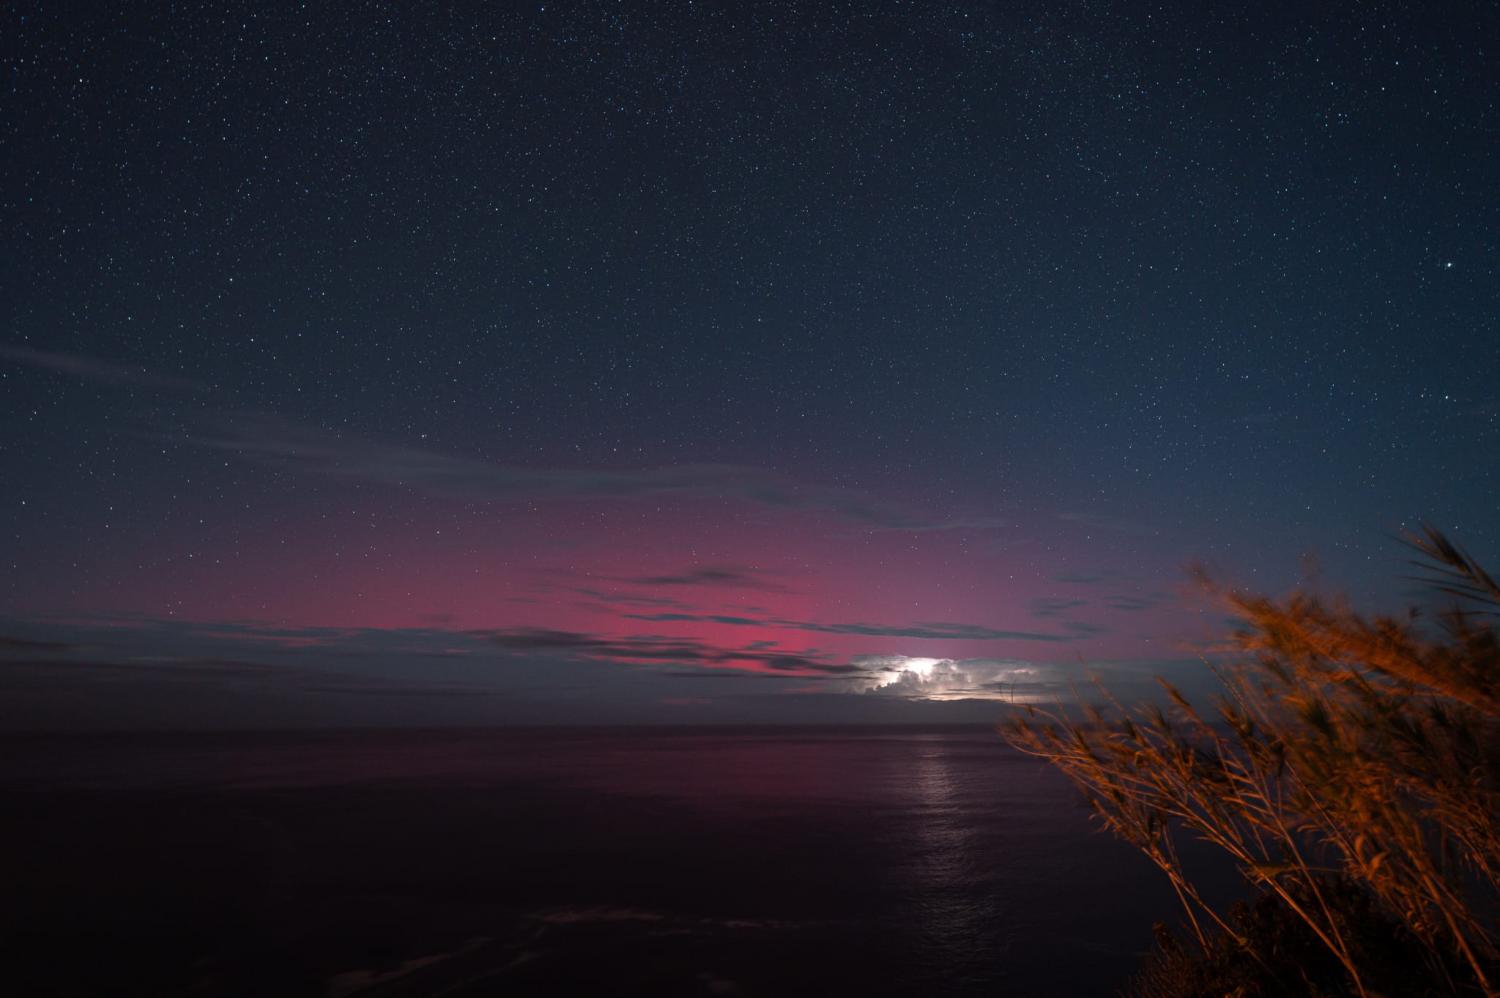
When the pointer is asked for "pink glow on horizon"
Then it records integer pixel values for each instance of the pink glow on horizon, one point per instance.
(597, 568)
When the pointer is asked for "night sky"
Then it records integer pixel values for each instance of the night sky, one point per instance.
(595, 362)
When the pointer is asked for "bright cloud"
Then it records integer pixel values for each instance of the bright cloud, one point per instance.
(956, 679)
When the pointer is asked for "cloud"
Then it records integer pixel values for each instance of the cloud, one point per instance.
(160, 667)
(12, 645)
(152, 673)
(283, 443)
(96, 369)
(661, 650)
(1137, 602)
(933, 630)
(1116, 524)
(391, 690)
(155, 646)
(702, 673)
(728, 576)
(1052, 606)
(1020, 681)
(956, 679)
(702, 618)
(936, 630)
(334, 656)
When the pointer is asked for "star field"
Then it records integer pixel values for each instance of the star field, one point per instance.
(892, 315)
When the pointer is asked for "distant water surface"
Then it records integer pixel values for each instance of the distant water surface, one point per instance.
(551, 861)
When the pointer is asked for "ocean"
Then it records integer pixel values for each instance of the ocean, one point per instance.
(668, 861)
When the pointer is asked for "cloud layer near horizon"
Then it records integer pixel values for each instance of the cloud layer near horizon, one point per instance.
(168, 674)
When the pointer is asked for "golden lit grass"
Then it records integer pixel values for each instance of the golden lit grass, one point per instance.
(1346, 750)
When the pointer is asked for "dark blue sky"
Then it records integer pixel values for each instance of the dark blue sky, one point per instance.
(594, 349)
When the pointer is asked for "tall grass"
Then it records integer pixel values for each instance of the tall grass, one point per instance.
(1352, 762)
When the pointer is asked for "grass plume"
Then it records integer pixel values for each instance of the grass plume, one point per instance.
(1351, 769)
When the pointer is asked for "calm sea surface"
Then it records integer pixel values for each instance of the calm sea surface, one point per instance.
(623, 861)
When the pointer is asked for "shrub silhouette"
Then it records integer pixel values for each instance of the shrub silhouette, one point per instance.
(1350, 770)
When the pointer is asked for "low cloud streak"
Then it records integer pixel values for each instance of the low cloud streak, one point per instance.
(924, 630)
(653, 650)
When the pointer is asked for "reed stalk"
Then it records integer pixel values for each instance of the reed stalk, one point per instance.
(1344, 749)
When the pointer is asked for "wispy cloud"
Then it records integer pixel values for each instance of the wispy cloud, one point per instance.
(935, 630)
(1115, 524)
(1052, 606)
(274, 440)
(403, 692)
(1137, 601)
(702, 618)
(12, 645)
(727, 576)
(158, 667)
(96, 369)
(653, 650)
